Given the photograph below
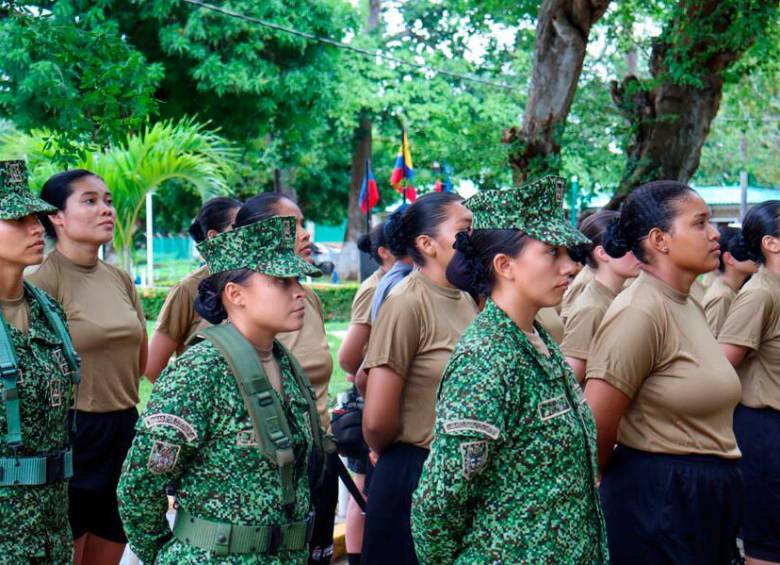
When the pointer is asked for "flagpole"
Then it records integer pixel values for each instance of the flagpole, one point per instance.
(368, 198)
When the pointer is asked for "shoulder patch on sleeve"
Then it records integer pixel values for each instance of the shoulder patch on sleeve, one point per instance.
(171, 421)
(163, 457)
(467, 425)
(474, 456)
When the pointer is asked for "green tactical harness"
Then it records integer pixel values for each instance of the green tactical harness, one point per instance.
(274, 439)
(41, 468)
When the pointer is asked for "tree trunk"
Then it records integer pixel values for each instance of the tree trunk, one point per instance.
(562, 31)
(361, 150)
(349, 261)
(671, 120)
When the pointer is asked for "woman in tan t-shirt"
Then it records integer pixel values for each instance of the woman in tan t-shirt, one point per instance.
(750, 338)
(587, 311)
(411, 340)
(734, 269)
(178, 320)
(309, 346)
(351, 354)
(108, 327)
(661, 389)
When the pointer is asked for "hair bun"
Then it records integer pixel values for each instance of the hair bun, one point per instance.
(741, 250)
(395, 233)
(208, 303)
(196, 232)
(614, 242)
(466, 271)
(364, 243)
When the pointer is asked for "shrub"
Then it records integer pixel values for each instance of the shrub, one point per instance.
(336, 300)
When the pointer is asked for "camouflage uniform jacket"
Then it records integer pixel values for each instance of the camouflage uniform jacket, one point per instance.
(196, 432)
(511, 477)
(34, 519)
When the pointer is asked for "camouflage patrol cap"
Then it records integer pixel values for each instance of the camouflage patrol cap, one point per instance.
(535, 208)
(267, 246)
(16, 200)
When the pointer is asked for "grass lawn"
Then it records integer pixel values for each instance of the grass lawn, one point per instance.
(338, 381)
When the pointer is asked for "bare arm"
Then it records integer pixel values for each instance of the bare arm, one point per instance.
(734, 353)
(161, 348)
(608, 405)
(353, 346)
(381, 412)
(143, 354)
(577, 366)
(361, 381)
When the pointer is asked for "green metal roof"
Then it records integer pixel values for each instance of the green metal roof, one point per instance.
(716, 195)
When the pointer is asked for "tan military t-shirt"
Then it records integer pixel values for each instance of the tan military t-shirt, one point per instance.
(361, 304)
(698, 291)
(107, 324)
(551, 322)
(16, 312)
(708, 278)
(655, 346)
(414, 335)
(271, 367)
(584, 319)
(309, 346)
(754, 322)
(536, 340)
(576, 288)
(716, 303)
(178, 318)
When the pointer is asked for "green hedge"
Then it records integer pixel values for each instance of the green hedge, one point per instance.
(336, 300)
(152, 300)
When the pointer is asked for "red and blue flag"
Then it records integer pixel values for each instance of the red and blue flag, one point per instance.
(369, 193)
(404, 171)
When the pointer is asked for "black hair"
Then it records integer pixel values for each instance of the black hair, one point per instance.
(260, 207)
(215, 214)
(56, 192)
(730, 240)
(208, 303)
(471, 269)
(422, 217)
(652, 205)
(371, 242)
(759, 222)
(594, 227)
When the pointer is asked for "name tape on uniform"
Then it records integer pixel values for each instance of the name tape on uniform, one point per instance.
(466, 425)
(171, 421)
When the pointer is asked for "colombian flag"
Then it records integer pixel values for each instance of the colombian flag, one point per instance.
(369, 193)
(404, 169)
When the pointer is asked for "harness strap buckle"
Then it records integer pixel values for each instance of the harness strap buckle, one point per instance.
(8, 370)
(275, 539)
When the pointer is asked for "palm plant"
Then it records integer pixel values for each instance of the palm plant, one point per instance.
(184, 151)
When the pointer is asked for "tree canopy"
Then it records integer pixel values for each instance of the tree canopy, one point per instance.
(90, 73)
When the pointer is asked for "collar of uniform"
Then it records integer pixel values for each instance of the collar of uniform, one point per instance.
(603, 290)
(444, 291)
(672, 293)
(771, 279)
(550, 365)
(68, 263)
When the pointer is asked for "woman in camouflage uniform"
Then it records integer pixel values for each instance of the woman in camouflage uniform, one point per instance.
(238, 502)
(35, 463)
(511, 477)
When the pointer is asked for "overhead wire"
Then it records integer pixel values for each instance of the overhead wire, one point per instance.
(353, 48)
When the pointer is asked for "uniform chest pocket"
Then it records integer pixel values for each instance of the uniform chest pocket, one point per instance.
(552, 407)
